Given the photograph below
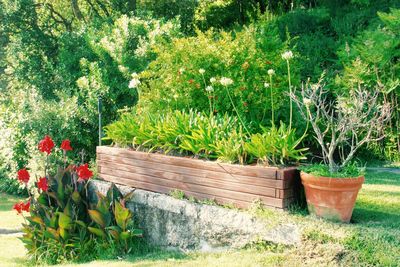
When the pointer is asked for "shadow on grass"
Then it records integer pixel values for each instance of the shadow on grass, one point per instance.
(382, 178)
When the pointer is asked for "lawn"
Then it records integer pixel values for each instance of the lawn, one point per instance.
(373, 238)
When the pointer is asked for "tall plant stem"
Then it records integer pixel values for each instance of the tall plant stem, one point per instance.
(290, 92)
(208, 96)
(272, 100)
(237, 113)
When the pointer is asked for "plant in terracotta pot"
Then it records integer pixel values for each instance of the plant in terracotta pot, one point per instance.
(341, 126)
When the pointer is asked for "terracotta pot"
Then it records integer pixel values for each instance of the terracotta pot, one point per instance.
(331, 198)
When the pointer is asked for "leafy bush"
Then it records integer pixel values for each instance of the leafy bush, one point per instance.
(187, 74)
(212, 137)
(65, 223)
(276, 146)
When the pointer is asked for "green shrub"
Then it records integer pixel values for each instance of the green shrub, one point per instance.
(187, 72)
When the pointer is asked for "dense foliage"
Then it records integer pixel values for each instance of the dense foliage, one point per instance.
(213, 137)
(58, 58)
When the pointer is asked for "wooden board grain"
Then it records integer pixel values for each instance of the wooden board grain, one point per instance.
(257, 171)
(225, 183)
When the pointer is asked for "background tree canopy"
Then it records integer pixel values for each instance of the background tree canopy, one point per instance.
(58, 57)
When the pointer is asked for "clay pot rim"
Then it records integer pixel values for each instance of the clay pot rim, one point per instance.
(361, 177)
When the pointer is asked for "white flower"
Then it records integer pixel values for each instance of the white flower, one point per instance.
(134, 83)
(181, 70)
(271, 72)
(134, 75)
(202, 71)
(213, 80)
(307, 101)
(266, 85)
(209, 88)
(314, 87)
(176, 96)
(287, 55)
(226, 81)
(83, 82)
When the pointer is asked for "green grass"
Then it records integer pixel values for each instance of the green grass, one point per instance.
(372, 239)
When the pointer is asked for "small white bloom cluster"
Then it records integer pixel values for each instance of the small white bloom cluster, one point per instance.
(181, 70)
(226, 81)
(83, 82)
(209, 89)
(202, 71)
(287, 55)
(266, 85)
(307, 102)
(135, 82)
(271, 72)
(213, 80)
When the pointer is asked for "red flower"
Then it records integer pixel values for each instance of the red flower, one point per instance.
(83, 172)
(18, 207)
(191, 81)
(23, 176)
(42, 184)
(46, 145)
(66, 145)
(26, 206)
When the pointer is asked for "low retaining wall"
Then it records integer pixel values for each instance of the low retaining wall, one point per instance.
(170, 222)
(225, 183)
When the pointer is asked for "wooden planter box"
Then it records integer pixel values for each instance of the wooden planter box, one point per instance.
(224, 183)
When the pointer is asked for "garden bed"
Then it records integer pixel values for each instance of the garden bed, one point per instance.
(225, 183)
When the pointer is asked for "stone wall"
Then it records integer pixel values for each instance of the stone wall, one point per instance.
(170, 222)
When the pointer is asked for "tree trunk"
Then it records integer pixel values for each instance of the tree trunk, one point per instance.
(132, 6)
(76, 10)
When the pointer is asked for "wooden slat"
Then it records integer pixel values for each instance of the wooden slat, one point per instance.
(167, 190)
(107, 167)
(256, 171)
(159, 169)
(143, 180)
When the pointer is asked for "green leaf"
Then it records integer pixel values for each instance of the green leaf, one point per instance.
(113, 193)
(137, 232)
(122, 215)
(97, 217)
(98, 232)
(125, 235)
(76, 197)
(63, 233)
(64, 221)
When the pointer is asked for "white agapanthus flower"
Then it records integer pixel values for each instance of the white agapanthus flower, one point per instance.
(209, 88)
(266, 85)
(287, 55)
(83, 82)
(307, 101)
(135, 82)
(314, 87)
(226, 81)
(271, 72)
(202, 71)
(213, 80)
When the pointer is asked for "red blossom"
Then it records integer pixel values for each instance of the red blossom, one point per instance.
(42, 184)
(26, 207)
(66, 145)
(46, 145)
(83, 172)
(18, 207)
(23, 176)
(245, 104)
(191, 81)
